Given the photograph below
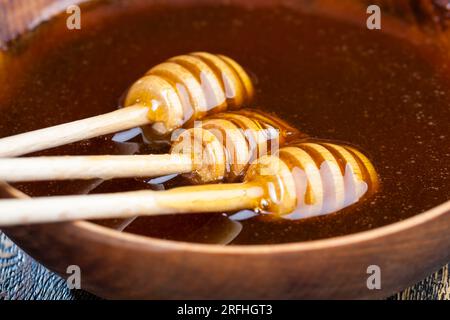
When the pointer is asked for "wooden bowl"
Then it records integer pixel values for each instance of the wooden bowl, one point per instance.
(121, 265)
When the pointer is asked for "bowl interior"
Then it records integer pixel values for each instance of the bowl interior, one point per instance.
(386, 131)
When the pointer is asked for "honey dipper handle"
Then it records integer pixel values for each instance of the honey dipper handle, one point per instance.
(209, 198)
(91, 167)
(51, 137)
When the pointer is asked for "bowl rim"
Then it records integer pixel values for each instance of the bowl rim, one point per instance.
(125, 238)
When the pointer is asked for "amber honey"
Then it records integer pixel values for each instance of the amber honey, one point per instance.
(330, 79)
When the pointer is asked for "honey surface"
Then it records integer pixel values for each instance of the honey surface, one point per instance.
(330, 79)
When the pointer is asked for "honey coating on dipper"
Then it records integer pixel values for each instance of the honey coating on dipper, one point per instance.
(189, 87)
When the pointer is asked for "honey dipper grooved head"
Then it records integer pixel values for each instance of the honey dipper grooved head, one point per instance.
(313, 178)
(189, 87)
(226, 143)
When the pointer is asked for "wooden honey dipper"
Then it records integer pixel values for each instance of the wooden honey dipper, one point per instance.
(220, 150)
(182, 89)
(303, 180)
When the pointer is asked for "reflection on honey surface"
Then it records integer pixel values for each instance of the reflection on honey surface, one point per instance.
(330, 79)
